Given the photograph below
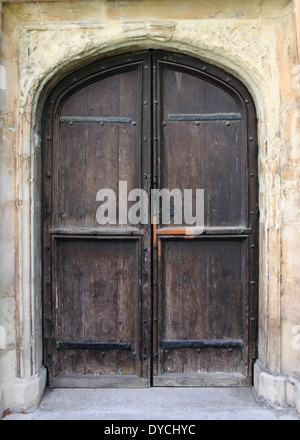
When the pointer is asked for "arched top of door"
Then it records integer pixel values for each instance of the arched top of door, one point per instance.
(106, 67)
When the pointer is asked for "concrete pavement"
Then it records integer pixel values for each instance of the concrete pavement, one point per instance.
(154, 404)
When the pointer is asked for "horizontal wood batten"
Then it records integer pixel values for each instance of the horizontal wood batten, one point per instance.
(97, 381)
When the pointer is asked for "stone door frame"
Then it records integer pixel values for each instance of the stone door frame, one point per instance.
(39, 72)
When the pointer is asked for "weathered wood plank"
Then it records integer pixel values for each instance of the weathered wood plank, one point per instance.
(202, 380)
(97, 381)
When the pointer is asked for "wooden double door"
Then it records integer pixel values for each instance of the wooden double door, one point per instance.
(133, 304)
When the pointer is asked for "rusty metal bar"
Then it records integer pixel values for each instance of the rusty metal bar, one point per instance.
(180, 231)
(195, 230)
(159, 248)
(154, 231)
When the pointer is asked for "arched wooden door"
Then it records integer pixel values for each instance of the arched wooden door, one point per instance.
(149, 303)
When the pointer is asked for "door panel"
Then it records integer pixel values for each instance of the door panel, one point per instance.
(96, 277)
(202, 145)
(202, 299)
(99, 142)
(152, 303)
(202, 288)
(188, 91)
(207, 157)
(201, 308)
(98, 299)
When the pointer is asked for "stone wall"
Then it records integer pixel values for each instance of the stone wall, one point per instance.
(255, 41)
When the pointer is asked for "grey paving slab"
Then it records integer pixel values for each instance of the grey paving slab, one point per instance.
(154, 404)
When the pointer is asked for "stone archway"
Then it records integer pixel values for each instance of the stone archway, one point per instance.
(52, 52)
(56, 81)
